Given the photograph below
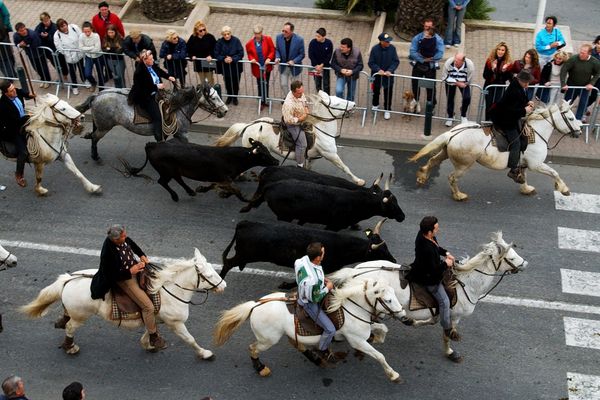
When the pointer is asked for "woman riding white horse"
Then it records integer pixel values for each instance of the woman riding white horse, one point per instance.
(176, 282)
(361, 300)
(475, 278)
(7, 260)
(466, 144)
(326, 110)
(48, 129)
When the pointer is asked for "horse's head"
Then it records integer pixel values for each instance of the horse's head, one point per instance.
(337, 107)
(572, 125)
(208, 278)
(382, 298)
(210, 100)
(54, 110)
(505, 257)
(7, 259)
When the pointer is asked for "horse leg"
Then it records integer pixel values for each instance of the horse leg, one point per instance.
(424, 172)
(181, 330)
(164, 182)
(459, 170)
(39, 173)
(379, 332)
(68, 345)
(181, 182)
(87, 185)
(559, 184)
(337, 161)
(255, 348)
(451, 354)
(363, 346)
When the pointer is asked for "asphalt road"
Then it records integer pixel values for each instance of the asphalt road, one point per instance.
(510, 351)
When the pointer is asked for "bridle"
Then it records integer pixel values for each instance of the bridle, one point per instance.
(333, 117)
(3, 264)
(572, 132)
(200, 277)
(374, 314)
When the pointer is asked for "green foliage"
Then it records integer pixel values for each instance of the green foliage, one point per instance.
(479, 9)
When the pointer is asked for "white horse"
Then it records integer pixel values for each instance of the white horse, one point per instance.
(176, 283)
(48, 129)
(476, 276)
(467, 143)
(270, 319)
(325, 112)
(7, 260)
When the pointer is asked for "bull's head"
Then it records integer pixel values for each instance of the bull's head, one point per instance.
(378, 249)
(261, 155)
(389, 204)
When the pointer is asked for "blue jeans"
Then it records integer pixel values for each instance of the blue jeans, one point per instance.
(321, 319)
(342, 82)
(440, 295)
(117, 67)
(98, 62)
(572, 94)
(455, 19)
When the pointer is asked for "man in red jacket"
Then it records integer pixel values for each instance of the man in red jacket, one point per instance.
(104, 18)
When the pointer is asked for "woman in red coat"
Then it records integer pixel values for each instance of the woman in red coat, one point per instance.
(261, 51)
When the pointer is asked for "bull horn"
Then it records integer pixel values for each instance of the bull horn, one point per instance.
(376, 246)
(378, 226)
(387, 183)
(376, 181)
(255, 151)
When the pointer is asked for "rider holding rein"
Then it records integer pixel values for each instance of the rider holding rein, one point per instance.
(146, 84)
(431, 261)
(295, 111)
(506, 114)
(14, 117)
(118, 267)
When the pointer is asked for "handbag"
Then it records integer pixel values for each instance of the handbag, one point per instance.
(560, 46)
(422, 67)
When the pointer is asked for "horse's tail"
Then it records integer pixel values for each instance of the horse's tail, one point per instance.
(47, 296)
(86, 105)
(435, 146)
(230, 321)
(231, 135)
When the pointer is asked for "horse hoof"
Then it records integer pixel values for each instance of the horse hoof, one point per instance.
(73, 350)
(360, 182)
(455, 357)
(97, 190)
(566, 193)
(398, 380)
(210, 357)
(266, 371)
(42, 192)
(99, 161)
(463, 197)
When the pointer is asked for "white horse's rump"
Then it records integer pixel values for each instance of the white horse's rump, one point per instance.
(270, 319)
(497, 258)
(182, 279)
(7, 260)
(466, 144)
(325, 112)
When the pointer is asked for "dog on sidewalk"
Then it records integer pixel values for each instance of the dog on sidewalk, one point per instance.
(410, 105)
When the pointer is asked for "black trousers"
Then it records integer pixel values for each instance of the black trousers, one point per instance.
(430, 74)
(388, 89)
(21, 144)
(151, 107)
(514, 146)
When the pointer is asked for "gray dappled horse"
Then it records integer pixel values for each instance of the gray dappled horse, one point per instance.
(110, 108)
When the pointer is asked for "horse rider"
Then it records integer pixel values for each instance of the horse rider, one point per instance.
(14, 117)
(431, 261)
(295, 111)
(506, 115)
(119, 267)
(146, 84)
(312, 289)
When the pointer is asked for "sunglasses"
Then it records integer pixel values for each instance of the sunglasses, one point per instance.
(202, 30)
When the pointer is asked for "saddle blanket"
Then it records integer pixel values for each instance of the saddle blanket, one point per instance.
(420, 298)
(304, 324)
(123, 308)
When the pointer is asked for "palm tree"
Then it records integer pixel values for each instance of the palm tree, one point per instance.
(164, 10)
(411, 13)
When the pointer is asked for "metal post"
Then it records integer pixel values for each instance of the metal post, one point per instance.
(427, 84)
(539, 20)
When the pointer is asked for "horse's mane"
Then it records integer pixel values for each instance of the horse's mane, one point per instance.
(182, 97)
(159, 274)
(37, 114)
(354, 287)
(487, 250)
(541, 113)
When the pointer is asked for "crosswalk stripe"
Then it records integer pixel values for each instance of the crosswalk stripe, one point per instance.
(580, 202)
(578, 239)
(583, 387)
(580, 282)
(582, 332)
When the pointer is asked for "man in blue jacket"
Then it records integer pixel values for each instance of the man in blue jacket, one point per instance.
(383, 62)
(289, 50)
(426, 51)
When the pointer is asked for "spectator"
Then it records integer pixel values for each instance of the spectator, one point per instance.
(201, 44)
(30, 41)
(529, 62)
(383, 62)
(550, 76)
(13, 388)
(549, 40)
(5, 16)
(228, 52)
(456, 13)
(113, 44)
(497, 71)
(104, 18)
(74, 391)
(136, 42)
(174, 53)
(66, 40)
(426, 51)
(261, 51)
(596, 55)
(320, 51)
(7, 59)
(89, 43)
(347, 63)
(582, 70)
(458, 73)
(46, 30)
(289, 50)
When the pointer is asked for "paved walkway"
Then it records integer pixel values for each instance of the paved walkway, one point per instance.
(398, 132)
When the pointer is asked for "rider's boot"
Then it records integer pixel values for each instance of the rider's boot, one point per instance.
(157, 342)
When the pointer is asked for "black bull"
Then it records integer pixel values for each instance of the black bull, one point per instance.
(174, 160)
(282, 244)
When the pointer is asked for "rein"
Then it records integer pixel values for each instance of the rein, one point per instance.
(552, 123)
(328, 107)
(195, 290)
(211, 108)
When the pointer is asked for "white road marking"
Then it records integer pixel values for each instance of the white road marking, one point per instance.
(579, 202)
(578, 239)
(583, 387)
(542, 304)
(582, 332)
(580, 282)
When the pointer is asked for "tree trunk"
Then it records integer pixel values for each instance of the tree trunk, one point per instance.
(164, 10)
(411, 13)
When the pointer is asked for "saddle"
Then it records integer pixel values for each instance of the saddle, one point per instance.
(169, 117)
(8, 149)
(286, 142)
(124, 308)
(420, 298)
(500, 141)
(304, 324)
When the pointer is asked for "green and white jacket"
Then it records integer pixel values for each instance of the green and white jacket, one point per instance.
(311, 281)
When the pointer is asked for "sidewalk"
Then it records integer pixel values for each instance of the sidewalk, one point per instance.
(396, 133)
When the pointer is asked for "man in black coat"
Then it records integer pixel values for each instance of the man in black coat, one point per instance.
(506, 114)
(146, 84)
(12, 109)
(135, 42)
(431, 261)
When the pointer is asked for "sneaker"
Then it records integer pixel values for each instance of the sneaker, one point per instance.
(463, 120)
(457, 45)
(449, 122)
(448, 46)
(87, 84)
(374, 108)
(92, 88)
(426, 137)
(75, 91)
(387, 115)
(42, 85)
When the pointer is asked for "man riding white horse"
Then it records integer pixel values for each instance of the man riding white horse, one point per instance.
(295, 111)
(506, 115)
